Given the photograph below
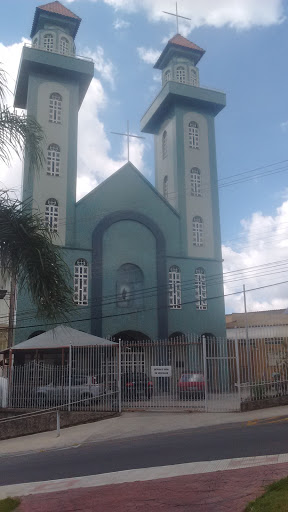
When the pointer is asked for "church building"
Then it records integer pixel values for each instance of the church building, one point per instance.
(146, 261)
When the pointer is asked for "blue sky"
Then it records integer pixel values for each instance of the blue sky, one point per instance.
(246, 44)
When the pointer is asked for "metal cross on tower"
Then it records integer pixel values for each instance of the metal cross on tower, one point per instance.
(128, 135)
(177, 17)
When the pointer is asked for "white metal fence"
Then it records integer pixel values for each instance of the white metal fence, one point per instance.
(88, 381)
(184, 373)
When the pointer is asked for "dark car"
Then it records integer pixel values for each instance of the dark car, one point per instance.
(136, 385)
(191, 384)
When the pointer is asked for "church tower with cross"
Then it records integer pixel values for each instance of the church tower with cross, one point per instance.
(145, 261)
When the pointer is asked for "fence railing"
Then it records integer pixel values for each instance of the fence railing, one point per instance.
(187, 372)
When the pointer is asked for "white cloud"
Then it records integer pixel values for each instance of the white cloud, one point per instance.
(148, 55)
(120, 24)
(284, 126)
(104, 66)
(235, 13)
(264, 240)
(11, 177)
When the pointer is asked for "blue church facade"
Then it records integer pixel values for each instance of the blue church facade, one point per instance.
(145, 261)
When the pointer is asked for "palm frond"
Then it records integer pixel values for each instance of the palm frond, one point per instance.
(27, 251)
(20, 133)
(3, 85)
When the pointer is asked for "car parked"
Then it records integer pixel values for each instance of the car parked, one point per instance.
(191, 384)
(136, 385)
(84, 388)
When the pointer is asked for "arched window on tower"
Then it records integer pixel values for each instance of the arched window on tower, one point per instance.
(52, 215)
(64, 46)
(167, 76)
(164, 144)
(129, 286)
(181, 74)
(35, 42)
(81, 282)
(193, 77)
(200, 289)
(195, 180)
(165, 187)
(174, 287)
(53, 160)
(48, 42)
(197, 226)
(55, 108)
(193, 135)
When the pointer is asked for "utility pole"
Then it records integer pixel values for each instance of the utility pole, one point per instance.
(247, 337)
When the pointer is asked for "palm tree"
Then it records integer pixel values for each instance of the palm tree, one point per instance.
(26, 246)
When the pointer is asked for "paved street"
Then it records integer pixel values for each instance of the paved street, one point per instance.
(263, 437)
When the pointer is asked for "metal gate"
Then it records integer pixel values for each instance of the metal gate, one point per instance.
(184, 373)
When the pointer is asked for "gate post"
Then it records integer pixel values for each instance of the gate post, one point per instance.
(237, 367)
(119, 376)
(205, 370)
(70, 377)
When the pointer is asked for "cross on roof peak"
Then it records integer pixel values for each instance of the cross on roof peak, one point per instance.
(177, 16)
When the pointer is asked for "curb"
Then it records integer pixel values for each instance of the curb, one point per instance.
(140, 475)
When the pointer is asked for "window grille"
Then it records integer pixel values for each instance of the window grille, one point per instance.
(193, 77)
(55, 108)
(195, 177)
(49, 42)
(64, 46)
(81, 282)
(174, 287)
(197, 226)
(167, 76)
(164, 145)
(53, 160)
(193, 135)
(165, 187)
(181, 74)
(52, 215)
(200, 289)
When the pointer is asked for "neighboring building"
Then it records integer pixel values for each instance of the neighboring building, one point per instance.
(268, 342)
(141, 256)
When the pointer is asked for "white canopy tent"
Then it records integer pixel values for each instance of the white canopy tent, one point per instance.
(62, 337)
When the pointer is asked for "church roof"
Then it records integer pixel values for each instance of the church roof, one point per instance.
(58, 9)
(179, 43)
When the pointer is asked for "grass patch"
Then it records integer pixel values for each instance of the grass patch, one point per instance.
(275, 499)
(9, 504)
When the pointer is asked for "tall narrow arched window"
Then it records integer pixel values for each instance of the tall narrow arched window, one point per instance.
(195, 180)
(193, 77)
(129, 286)
(165, 187)
(64, 46)
(53, 160)
(164, 144)
(174, 287)
(197, 226)
(35, 42)
(52, 215)
(193, 135)
(48, 42)
(167, 76)
(55, 108)
(181, 74)
(200, 289)
(81, 282)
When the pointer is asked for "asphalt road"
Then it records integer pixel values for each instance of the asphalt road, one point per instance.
(220, 442)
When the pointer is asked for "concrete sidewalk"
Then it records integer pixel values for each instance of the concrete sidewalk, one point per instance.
(131, 424)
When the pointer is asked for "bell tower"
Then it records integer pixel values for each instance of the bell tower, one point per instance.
(182, 121)
(51, 85)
